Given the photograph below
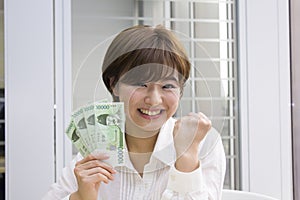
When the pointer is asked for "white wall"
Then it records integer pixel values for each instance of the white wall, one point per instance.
(29, 98)
(265, 97)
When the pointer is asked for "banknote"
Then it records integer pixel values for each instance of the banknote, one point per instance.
(99, 127)
(110, 128)
(79, 120)
(74, 136)
(89, 116)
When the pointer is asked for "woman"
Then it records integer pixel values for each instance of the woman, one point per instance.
(146, 68)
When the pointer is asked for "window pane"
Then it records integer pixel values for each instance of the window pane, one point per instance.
(206, 29)
(206, 10)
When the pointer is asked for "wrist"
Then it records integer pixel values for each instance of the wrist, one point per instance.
(75, 196)
(188, 161)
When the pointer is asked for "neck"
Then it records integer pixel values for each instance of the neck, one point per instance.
(141, 145)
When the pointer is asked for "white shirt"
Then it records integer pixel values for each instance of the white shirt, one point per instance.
(161, 180)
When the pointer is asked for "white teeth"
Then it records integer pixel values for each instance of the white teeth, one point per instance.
(148, 112)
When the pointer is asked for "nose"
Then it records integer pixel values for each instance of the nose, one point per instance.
(154, 96)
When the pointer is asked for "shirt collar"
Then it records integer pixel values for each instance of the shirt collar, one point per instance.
(164, 149)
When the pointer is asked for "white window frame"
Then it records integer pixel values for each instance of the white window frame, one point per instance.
(63, 83)
(266, 156)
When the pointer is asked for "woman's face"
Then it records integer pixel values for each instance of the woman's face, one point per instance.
(148, 105)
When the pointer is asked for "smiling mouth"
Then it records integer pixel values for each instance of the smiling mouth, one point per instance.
(150, 112)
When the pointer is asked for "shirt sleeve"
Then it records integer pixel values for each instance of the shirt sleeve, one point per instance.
(66, 184)
(204, 183)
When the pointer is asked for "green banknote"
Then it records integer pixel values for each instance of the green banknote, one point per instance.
(89, 116)
(110, 126)
(99, 128)
(74, 136)
(79, 120)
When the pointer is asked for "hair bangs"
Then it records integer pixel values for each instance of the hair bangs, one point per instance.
(150, 65)
(151, 72)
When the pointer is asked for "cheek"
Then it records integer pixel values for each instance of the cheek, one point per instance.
(125, 93)
(173, 101)
(131, 98)
(174, 95)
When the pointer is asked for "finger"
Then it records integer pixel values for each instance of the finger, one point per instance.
(201, 118)
(203, 115)
(98, 170)
(93, 157)
(198, 115)
(95, 178)
(176, 127)
(192, 114)
(100, 155)
(96, 163)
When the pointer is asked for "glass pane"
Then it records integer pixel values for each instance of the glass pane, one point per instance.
(215, 107)
(207, 69)
(227, 181)
(211, 88)
(182, 27)
(180, 9)
(92, 32)
(206, 29)
(184, 108)
(187, 92)
(225, 126)
(207, 50)
(206, 10)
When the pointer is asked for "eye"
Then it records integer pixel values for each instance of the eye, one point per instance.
(140, 84)
(169, 86)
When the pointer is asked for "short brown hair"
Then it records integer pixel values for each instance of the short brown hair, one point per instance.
(140, 45)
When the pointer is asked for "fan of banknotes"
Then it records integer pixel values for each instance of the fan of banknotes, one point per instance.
(99, 128)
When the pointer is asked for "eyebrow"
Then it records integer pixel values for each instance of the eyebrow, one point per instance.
(170, 78)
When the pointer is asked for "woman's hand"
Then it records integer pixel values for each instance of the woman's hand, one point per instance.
(90, 172)
(188, 132)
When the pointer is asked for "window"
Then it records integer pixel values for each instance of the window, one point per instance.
(207, 29)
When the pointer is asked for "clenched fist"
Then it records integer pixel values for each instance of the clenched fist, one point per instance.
(188, 132)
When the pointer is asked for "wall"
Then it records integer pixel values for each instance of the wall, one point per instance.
(29, 98)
